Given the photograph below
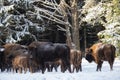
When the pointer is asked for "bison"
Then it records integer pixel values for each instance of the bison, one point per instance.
(10, 52)
(24, 62)
(44, 52)
(20, 63)
(100, 52)
(10, 49)
(76, 59)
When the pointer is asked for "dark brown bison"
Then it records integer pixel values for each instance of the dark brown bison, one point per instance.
(76, 59)
(11, 47)
(15, 53)
(47, 52)
(10, 52)
(100, 52)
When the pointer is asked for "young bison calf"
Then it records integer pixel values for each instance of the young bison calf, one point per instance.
(20, 63)
(23, 62)
(76, 59)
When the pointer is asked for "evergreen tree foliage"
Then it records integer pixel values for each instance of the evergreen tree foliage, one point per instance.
(107, 14)
(18, 19)
(30, 19)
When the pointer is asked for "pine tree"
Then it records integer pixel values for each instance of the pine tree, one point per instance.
(17, 20)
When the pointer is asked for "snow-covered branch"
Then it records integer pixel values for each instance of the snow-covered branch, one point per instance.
(6, 8)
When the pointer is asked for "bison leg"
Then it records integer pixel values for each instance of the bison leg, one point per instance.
(2, 68)
(43, 68)
(31, 69)
(69, 67)
(73, 68)
(48, 67)
(52, 66)
(20, 70)
(25, 69)
(66, 65)
(16, 70)
(79, 68)
(55, 66)
(111, 64)
(99, 66)
(62, 67)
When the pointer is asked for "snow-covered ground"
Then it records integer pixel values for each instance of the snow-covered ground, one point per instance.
(88, 73)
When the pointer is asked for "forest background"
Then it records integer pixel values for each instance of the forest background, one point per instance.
(79, 23)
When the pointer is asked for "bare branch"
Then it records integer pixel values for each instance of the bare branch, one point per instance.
(61, 28)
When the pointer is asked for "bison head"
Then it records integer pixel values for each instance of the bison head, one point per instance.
(88, 55)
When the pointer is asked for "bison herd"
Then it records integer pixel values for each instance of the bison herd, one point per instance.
(42, 56)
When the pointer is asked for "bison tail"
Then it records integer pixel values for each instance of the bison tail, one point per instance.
(76, 57)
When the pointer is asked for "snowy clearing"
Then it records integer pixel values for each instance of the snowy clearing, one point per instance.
(88, 73)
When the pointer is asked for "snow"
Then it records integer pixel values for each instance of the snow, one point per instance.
(6, 8)
(113, 25)
(88, 73)
(94, 12)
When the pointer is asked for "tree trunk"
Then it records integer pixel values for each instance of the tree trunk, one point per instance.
(1, 2)
(85, 40)
(75, 27)
(68, 33)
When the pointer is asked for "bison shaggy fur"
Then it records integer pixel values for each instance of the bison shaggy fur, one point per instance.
(100, 52)
(76, 59)
(43, 52)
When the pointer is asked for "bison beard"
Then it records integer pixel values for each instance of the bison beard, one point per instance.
(46, 51)
(100, 52)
